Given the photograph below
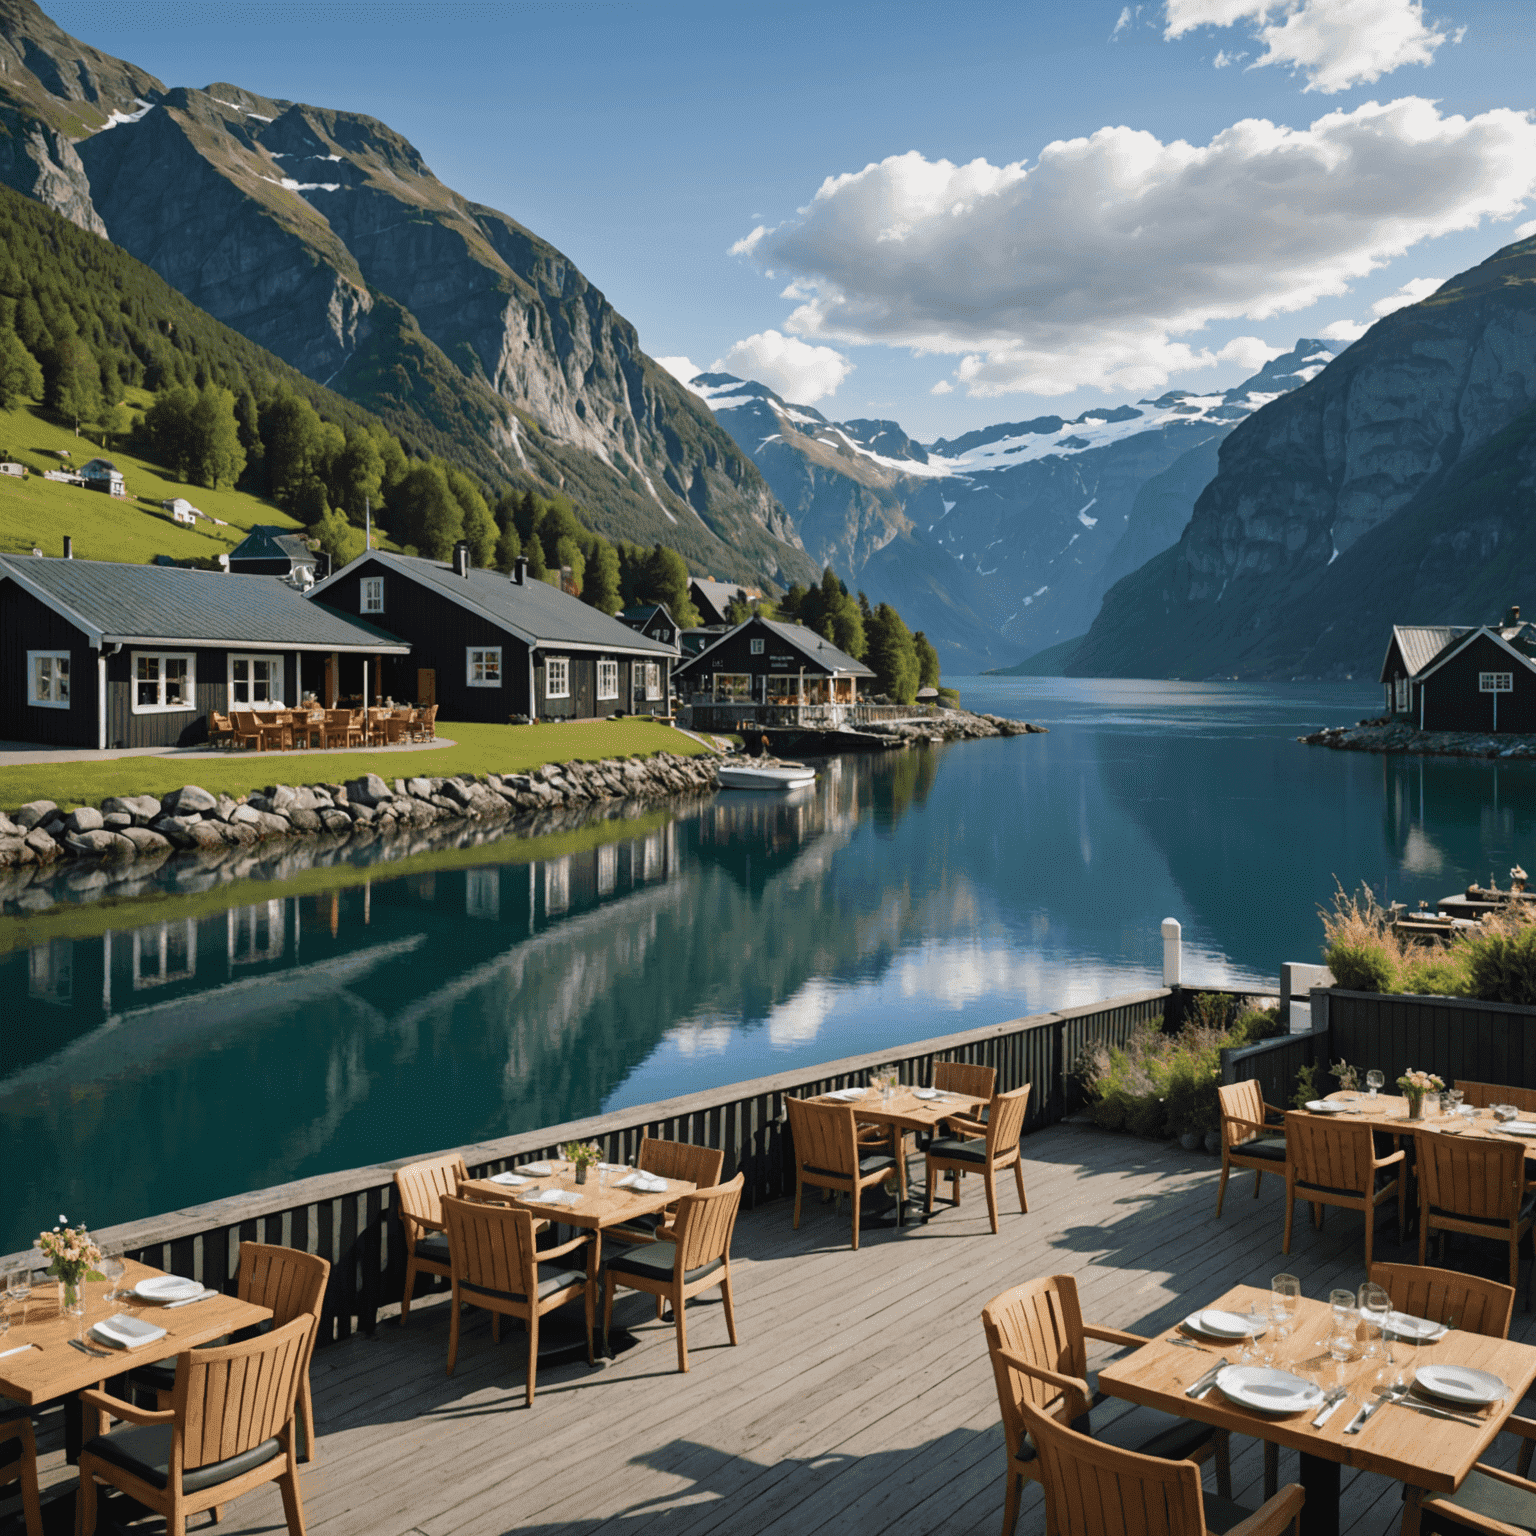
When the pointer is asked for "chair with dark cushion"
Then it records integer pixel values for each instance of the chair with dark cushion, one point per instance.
(1477, 1188)
(496, 1266)
(681, 1160)
(230, 1429)
(1094, 1489)
(1038, 1344)
(828, 1155)
(988, 1155)
(697, 1258)
(419, 1191)
(18, 1461)
(972, 1081)
(1329, 1162)
(1249, 1137)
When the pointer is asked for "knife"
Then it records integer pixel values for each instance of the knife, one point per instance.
(1330, 1406)
(1404, 1401)
(1206, 1382)
(1390, 1395)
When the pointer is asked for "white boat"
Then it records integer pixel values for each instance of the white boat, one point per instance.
(778, 776)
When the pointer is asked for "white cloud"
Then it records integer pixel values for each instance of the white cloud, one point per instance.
(943, 387)
(1248, 352)
(1091, 266)
(800, 372)
(683, 369)
(1344, 330)
(1526, 230)
(1410, 293)
(1334, 43)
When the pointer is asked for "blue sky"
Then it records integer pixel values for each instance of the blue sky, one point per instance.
(646, 140)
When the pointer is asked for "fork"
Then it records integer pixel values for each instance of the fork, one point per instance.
(1184, 1343)
(89, 1349)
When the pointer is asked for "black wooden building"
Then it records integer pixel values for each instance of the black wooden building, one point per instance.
(653, 621)
(766, 661)
(269, 551)
(97, 654)
(487, 646)
(1460, 678)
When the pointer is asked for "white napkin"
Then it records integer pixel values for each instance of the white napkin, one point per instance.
(645, 1183)
(555, 1197)
(536, 1170)
(126, 1331)
(512, 1180)
(846, 1094)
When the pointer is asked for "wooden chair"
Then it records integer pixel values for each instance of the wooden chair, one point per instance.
(221, 733)
(496, 1266)
(18, 1464)
(828, 1156)
(697, 1258)
(341, 729)
(247, 730)
(1328, 1162)
(292, 1284)
(1481, 1095)
(974, 1082)
(426, 725)
(396, 728)
(229, 1429)
(681, 1160)
(1476, 1187)
(419, 1191)
(1248, 1139)
(1038, 1344)
(1097, 1490)
(1447, 1296)
(276, 731)
(988, 1156)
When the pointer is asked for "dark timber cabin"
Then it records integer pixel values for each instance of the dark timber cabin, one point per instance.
(653, 621)
(766, 661)
(487, 646)
(269, 551)
(97, 654)
(1451, 677)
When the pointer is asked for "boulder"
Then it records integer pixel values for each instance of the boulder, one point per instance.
(301, 819)
(100, 843)
(281, 798)
(307, 798)
(238, 834)
(368, 790)
(145, 840)
(33, 813)
(14, 850)
(116, 821)
(227, 807)
(336, 820)
(42, 845)
(460, 791)
(142, 808)
(267, 823)
(360, 812)
(189, 800)
(419, 789)
(84, 818)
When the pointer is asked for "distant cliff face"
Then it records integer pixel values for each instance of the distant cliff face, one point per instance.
(293, 224)
(1253, 587)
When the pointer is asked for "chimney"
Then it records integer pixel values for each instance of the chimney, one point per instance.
(69, 550)
(461, 559)
(1510, 619)
(520, 570)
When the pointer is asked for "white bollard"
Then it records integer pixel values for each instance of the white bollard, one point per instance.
(1171, 951)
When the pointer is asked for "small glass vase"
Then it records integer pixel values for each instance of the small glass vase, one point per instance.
(71, 1298)
(1415, 1106)
(581, 1173)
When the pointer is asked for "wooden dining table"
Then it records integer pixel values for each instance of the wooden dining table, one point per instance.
(903, 1111)
(1389, 1112)
(600, 1204)
(46, 1366)
(1396, 1442)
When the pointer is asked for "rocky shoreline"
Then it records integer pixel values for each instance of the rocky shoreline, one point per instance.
(1374, 736)
(952, 725)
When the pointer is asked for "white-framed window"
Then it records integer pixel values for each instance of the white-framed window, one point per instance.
(373, 594)
(607, 679)
(164, 953)
(1495, 682)
(482, 893)
(734, 686)
(653, 680)
(48, 679)
(255, 680)
(757, 647)
(163, 681)
(483, 666)
(1402, 693)
(557, 677)
(664, 635)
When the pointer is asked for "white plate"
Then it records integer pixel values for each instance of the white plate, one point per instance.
(1459, 1384)
(1268, 1390)
(167, 1288)
(1519, 1127)
(1327, 1107)
(847, 1095)
(511, 1180)
(926, 1093)
(1224, 1325)
(1405, 1326)
(536, 1170)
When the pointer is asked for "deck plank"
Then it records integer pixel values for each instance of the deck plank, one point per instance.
(860, 1399)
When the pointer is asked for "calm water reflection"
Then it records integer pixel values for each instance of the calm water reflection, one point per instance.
(197, 1050)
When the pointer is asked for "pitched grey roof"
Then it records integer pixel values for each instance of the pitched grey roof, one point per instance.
(1495, 633)
(718, 594)
(266, 542)
(1419, 644)
(804, 639)
(152, 603)
(640, 613)
(535, 612)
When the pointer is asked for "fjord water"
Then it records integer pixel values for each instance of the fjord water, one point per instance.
(173, 1049)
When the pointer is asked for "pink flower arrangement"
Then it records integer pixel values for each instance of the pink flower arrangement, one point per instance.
(72, 1253)
(1415, 1083)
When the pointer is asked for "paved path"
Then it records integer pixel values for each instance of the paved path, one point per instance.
(15, 754)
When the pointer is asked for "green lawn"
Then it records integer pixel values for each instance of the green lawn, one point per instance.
(132, 528)
(477, 749)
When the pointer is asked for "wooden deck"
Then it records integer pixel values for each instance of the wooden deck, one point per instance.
(860, 1398)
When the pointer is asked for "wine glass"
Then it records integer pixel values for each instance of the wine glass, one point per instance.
(18, 1289)
(1374, 1079)
(1375, 1305)
(1256, 1321)
(1344, 1317)
(112, 1269)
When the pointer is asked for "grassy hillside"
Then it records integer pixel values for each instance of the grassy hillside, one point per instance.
(134, 528)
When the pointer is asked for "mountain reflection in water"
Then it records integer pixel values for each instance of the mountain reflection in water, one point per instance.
(159, 1053)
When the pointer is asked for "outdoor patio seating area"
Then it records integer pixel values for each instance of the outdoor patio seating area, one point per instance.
(859, 1395)
(316, 729)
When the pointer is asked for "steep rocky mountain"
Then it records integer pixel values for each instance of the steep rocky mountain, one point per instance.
(1001, 542)
(325, 237)
(1394, 487)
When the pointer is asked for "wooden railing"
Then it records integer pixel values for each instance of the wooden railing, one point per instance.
(1453, 1036)
(732, 715)
(349, 1217)
(1273, 1064)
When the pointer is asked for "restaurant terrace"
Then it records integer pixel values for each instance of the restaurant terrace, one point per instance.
(859, 1393)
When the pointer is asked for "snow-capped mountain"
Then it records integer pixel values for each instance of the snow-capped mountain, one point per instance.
(1003, 541)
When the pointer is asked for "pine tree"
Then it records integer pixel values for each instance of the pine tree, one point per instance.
(927, 661)
(508, 548)
(538, 569)
(601, 587)
(892, 655)
(20, 376)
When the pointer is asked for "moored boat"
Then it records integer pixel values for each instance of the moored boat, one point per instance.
(766, 776)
